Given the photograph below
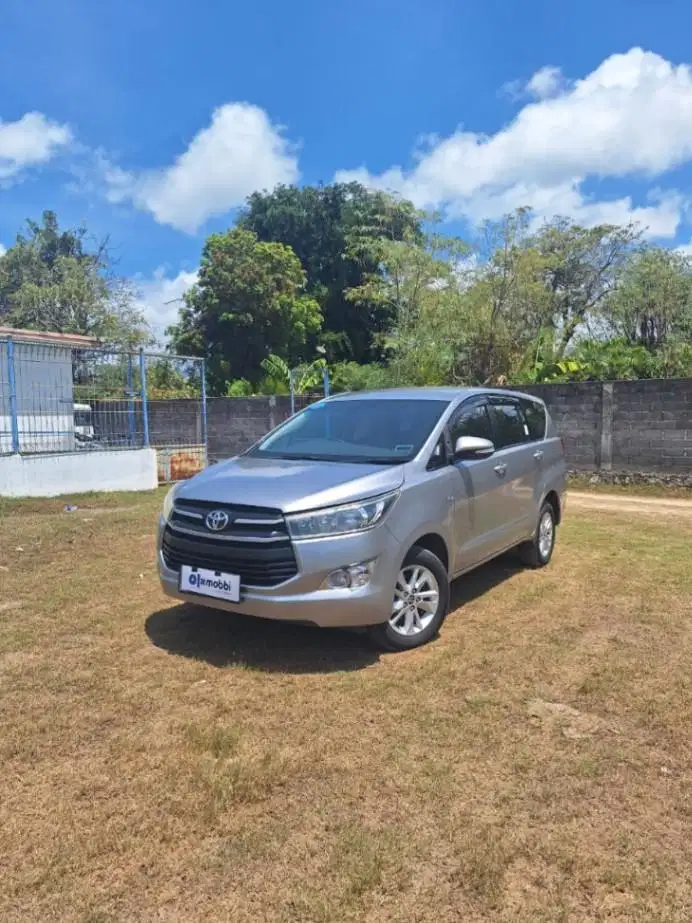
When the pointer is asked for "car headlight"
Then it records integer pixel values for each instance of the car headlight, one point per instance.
(168, 502)
(341, 520)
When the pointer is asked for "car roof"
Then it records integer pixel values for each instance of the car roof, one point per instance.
(430, 394)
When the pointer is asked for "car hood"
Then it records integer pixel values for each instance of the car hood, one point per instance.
(288, 485)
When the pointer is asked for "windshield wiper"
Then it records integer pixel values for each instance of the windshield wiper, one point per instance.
(315, 458)
(382, 461)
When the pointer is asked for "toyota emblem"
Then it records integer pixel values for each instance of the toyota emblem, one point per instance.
(217, 520)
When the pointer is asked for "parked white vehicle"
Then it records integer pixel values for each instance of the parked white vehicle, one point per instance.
(83, 423)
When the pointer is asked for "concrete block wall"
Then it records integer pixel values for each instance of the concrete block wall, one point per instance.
(178, 422)
(652, 425)
(639, 426)
(234, 423)
(624, 425)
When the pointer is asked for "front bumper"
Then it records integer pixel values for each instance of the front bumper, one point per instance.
(300, 599)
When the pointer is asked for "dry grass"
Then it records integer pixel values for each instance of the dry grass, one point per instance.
(160, 762)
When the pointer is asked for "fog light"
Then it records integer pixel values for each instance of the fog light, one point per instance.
(339, 579)
(346, 578)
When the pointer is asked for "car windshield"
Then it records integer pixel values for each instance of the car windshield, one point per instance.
(367, 430)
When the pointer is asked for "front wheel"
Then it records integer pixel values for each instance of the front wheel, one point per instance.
(419, 607)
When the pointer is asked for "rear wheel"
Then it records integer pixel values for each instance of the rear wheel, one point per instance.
(419, 607)
(539, 551)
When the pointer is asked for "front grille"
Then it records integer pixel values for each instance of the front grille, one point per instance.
(246, 523)
(255, 544)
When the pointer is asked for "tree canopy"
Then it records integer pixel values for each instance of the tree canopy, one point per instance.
(331, 229)
(51, 280)
(362, 282)
(401, 303)
(249, 302)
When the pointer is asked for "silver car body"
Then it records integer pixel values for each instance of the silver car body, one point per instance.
(467, 512)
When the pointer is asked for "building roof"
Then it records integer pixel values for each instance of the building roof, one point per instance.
(46, 337)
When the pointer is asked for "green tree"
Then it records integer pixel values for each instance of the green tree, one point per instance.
(584, 267)
(652, 306)
(505, 304)
(350, 376)
(168, 380)
(329, 228)
(535, 294)
(249, 302)
(415, 283)
(50, 280)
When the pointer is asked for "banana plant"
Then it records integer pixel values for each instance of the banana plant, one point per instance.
(305, 377)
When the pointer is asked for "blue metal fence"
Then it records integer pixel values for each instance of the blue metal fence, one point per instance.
(58, 398)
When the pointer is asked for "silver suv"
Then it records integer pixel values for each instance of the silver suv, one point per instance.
(359, 510)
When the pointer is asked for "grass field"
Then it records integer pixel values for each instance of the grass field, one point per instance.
(163, 763)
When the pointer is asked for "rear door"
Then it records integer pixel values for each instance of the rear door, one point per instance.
(548, 453)
(514, 464)
(478, 513)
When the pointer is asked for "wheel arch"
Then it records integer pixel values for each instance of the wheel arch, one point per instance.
(553, 498)
(435, 544)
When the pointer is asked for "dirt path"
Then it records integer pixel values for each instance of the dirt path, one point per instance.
(621, 503)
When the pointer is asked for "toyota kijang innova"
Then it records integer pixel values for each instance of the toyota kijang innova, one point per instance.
(359, 510)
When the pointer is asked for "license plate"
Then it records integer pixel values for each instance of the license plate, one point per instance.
(210, 583)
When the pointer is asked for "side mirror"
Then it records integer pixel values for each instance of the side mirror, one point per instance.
(473, 447)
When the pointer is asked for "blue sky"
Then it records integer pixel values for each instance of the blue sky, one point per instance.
(152, 122)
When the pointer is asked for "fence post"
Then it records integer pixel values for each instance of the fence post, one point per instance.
(325, 379)
(203, 383)
(131, 425)
(145, 406)
(12, 382)
(272, 412)
(606, 456)
(293, 396)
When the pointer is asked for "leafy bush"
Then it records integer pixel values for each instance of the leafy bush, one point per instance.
(350, 376)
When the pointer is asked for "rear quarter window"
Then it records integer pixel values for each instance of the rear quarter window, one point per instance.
(535, 417)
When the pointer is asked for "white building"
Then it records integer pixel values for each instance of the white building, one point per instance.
(43, 390)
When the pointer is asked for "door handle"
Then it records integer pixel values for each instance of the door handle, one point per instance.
(538, 455)
(500, 470)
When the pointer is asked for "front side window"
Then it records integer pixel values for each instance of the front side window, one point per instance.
(471, 420)
(509, 425)
(374, 430)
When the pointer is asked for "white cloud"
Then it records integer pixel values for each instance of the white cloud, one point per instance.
(661, 217)
(545, 83)
(630, 116)
(2, 249)
(239, 152)
(685, 249)
(28, 142)
(160, 297)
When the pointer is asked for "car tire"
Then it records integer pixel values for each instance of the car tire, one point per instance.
(422, 583)
(539, 550)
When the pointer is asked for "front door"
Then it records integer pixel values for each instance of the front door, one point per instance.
(478, 513)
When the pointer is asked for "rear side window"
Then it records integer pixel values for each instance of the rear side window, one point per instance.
(535, 418)
(509, 426)
(471, 420)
